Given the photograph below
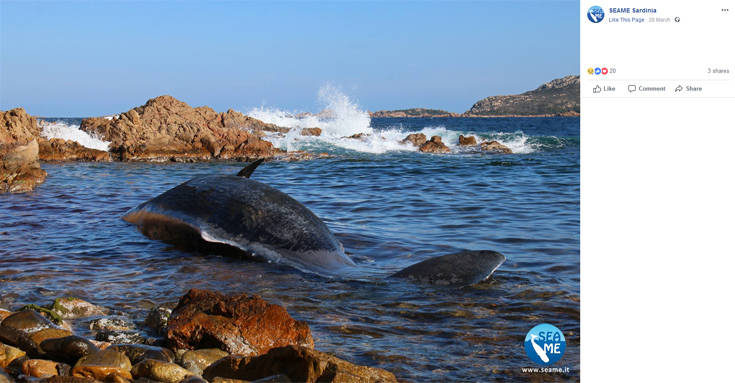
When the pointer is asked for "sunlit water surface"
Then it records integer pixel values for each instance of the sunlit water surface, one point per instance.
(389, 210)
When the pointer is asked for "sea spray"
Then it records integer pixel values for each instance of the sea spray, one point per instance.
(342, 118)
(59, 129)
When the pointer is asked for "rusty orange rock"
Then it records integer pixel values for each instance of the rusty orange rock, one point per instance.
(239, 324)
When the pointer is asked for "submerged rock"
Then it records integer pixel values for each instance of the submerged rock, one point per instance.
(20, 170)
(300, 364)
(120, 336)
(435, 145)
(467, 140)
(102, 365)
(241, 324)
(417, 139)
(495, 147)
(118, 324)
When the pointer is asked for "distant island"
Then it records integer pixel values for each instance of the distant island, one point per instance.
(558, 97)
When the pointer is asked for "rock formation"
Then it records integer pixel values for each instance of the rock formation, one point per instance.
(467, 141)
(167, 129)
(556, 97)
(413, 112)
(241, 324)
(417, 139)
(495, 147)
(311, 132)
(434, 145)
(20, 170)
(57, 149)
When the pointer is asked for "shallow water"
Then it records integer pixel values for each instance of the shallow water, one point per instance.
(389, 210)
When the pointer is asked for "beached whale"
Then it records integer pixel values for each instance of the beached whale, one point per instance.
(239, 212)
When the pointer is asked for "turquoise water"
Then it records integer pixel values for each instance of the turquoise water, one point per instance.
(389, 210)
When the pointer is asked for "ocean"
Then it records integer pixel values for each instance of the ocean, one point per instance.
(389, 205)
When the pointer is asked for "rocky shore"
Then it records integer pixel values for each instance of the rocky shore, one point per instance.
(20, 170)
(206, 337)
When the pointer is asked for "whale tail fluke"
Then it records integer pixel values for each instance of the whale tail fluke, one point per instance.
(459, 269)
(248, 170)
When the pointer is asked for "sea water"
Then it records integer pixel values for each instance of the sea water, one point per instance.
(389, 205)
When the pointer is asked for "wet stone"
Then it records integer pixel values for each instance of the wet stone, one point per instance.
(160, 371)
(197, 361)
(27, 321)
(71, 308)
(19, 339)
(9, 354)
(40, 368)
(49, 333)
(68, 349)
(139, 352)
(157, 319)
(120, 337)
(113, 324)
(102, 365)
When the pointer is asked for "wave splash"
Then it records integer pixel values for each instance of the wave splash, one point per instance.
(342, 118)
(59, 129)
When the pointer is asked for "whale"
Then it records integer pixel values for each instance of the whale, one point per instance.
(235, 213)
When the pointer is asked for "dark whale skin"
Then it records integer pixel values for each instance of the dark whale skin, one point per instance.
(238, 213)
(459, 269)
(244, 213)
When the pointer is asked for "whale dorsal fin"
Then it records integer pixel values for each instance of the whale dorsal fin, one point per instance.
(248, 170)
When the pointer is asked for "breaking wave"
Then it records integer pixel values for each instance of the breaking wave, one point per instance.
(59, 129)
(341, 119)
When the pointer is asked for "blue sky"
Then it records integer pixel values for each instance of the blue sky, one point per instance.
(85, 58)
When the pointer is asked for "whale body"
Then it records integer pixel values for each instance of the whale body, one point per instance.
(242, 213)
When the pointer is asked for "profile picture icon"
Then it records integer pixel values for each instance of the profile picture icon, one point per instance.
(545, 344)
(595, 14)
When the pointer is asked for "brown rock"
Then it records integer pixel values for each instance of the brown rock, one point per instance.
(139, 352)
(4, 314)
(20, 170)
(70, 308)
(467, 141)
(49, 333)
(4, 377)
(27, 321)
(160, 371)
(311, 132)
(435, 145)
(68, 349)
(9, 354)
(417, 139)
(239, 324)
(300, 364)
(57, 149)
(167, 129)
(103, 365)
(496, 147)
(360, 136)
(20, 339)
(39, 368)
(197, 361)
(68, 379)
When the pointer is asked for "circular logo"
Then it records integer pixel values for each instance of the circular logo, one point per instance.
(545, 344)
(598, 70)
(595, 14)
(604, 70)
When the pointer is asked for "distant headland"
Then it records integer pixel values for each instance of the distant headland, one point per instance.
(558, 97)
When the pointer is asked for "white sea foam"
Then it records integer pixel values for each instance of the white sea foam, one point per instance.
(341, 117)
(60, 129)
